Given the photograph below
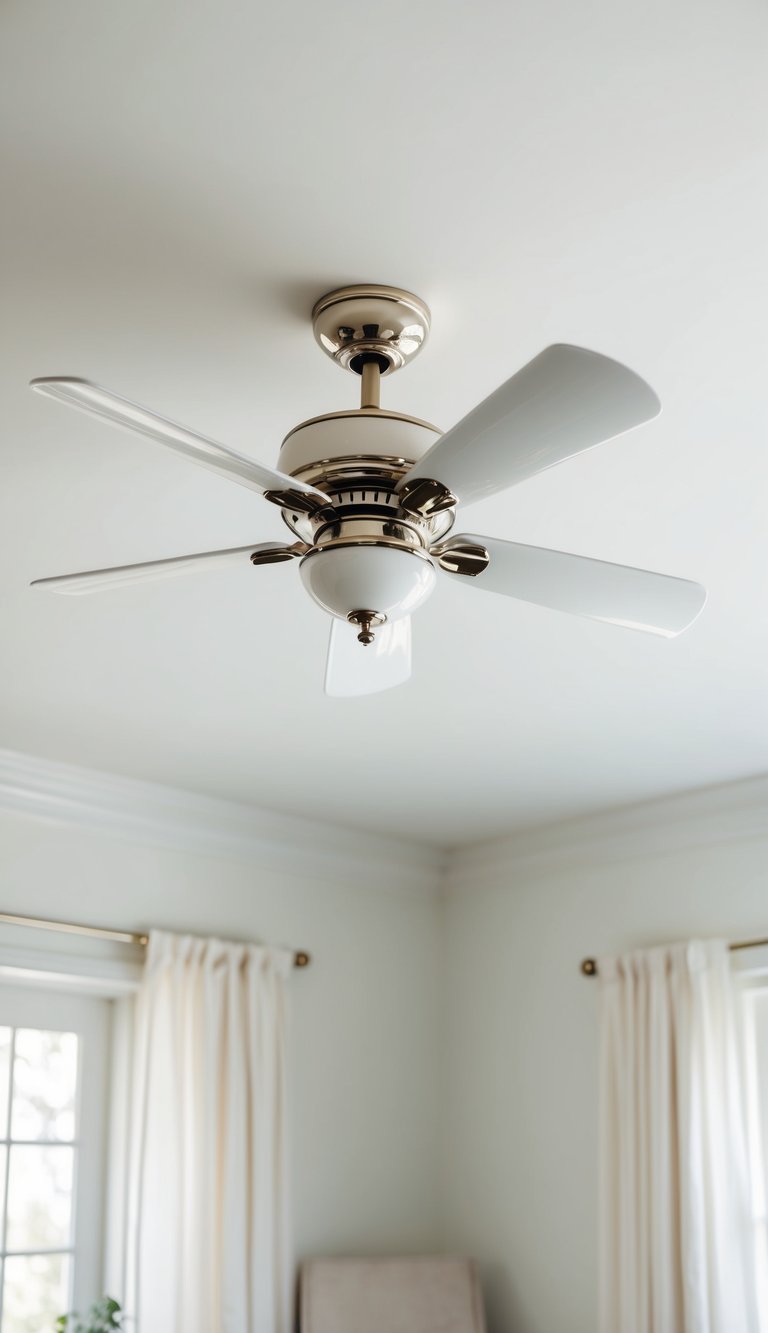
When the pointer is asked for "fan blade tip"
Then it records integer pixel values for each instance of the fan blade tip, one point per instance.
(337, 693)
(51, 386)
(42, 381)
(353, 672)
(699, 596)
(698, 602)
(363, 694)
(653, 400)
(47, 585)
(702, 597)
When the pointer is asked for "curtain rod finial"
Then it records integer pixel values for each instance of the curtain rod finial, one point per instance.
(301, 959)
(589, 967)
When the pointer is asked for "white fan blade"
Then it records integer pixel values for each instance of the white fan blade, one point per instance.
(122, 576)
(617, 594)
(564, 401)
(354, 668)
(118, 411)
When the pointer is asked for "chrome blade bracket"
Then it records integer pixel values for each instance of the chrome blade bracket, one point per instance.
(423, 497)
(277, 554)
(299, 502)
(461, 557)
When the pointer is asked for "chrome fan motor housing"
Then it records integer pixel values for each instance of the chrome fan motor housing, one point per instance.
(358, 458)
(369, 562)
(366, 435)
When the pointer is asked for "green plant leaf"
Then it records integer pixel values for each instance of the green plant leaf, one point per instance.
(103, 1317)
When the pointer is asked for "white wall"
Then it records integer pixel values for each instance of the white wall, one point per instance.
(444, 1049)
(364, 1015)
(520, 1142)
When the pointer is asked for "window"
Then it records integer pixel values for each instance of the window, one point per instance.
(53, 1093)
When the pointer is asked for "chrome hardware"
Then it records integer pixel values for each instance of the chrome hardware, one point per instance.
(460, 557)
(424, 497)
(370, 385)
(279, 553)
(365, 619)
(357, 492)
(297, 501)
(384, 326)
(339, 471)
(365, 529)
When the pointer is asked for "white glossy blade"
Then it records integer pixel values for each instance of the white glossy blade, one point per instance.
(123, 576)
(616, 594)
(354, 668)
(119, 411)
(564, 401)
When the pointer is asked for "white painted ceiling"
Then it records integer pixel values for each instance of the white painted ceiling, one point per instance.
(181, 182)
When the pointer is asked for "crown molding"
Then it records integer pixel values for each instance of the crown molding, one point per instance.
(156, 815)
(728, 813)
(149, 813)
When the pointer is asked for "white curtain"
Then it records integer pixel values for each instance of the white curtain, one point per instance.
(207, 1242)
(676, 1245)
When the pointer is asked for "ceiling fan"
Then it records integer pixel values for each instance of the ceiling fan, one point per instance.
(370, 496)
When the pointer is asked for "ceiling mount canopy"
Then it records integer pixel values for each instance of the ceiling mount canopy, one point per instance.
(366, 324)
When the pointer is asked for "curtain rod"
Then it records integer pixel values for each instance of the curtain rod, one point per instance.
(589, 965)
(300, 959)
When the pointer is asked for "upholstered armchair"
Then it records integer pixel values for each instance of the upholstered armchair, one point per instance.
(418, 1295)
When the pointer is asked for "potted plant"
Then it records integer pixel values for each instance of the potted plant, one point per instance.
(104, 1316)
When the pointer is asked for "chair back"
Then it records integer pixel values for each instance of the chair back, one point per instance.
(415, 1295)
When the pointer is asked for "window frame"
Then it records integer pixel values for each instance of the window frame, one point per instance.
(51, 1008)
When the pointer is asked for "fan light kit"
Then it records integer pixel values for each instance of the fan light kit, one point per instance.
(370, 496)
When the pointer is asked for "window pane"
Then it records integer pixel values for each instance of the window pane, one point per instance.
(5, 1055)
(44, 1085)
(36, 1292)
(39, 1198)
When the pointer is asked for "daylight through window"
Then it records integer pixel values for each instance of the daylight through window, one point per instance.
(38, 1158)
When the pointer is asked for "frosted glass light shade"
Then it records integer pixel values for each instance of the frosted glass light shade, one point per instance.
(383, 579)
